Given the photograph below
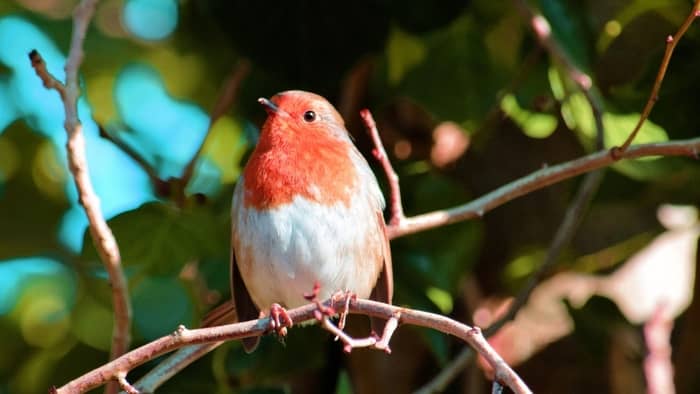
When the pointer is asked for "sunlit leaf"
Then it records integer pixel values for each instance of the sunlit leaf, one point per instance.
(92, 323)
(533, 124)
(441, 298)
(403, 53)
(160, 238)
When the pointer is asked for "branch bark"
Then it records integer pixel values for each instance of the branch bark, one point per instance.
(101, 234)
(117, 368)
(671, 42)
(537, 180)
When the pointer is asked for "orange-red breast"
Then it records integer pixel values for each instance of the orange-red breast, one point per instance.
(307, 209)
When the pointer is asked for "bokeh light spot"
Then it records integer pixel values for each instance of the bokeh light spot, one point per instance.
(44, 321)
(17, 274)
(49, 172)
(613, 28)
(225, 147)
(150, 19)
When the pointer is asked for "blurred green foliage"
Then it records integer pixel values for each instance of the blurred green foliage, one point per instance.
(416, 64)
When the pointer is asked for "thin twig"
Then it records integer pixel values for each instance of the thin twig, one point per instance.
(562, 237)
(133, 154)
(671, 42)
(125, 385)
(183, 337)
(348, 341)
(175, 187)
(538, 180)
(100, 232)
(397, 215)
(543, 33)
(574, 214)
(223, 103)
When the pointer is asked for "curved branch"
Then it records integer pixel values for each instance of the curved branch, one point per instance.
(538, 180)
(117, 368)
(671, 42)
(101, 234)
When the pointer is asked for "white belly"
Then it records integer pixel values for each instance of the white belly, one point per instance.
(283, 251)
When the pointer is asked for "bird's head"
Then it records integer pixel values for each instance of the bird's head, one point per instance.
(302, 114)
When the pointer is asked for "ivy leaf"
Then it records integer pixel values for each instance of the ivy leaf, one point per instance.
(159, 238)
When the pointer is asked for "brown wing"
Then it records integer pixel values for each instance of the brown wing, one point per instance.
(384, 289)
(240, 308)
(244, 305)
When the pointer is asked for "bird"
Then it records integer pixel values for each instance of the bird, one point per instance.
(306, 211)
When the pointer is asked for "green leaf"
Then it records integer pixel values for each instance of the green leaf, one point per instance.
(533, 124)
(441, 298)
(457, 79)
(92, 323)
(404, 51)
(160, 238)
(160, 305)
(619, 126)
(629, 11)
(568, 28)
(578, 115)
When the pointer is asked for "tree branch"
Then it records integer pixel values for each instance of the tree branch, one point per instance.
(175, 187)
(574, 214)
(122, 365)
(135, 156)
(671, 42)
(100, 232)
(538, 180)
(396, 208)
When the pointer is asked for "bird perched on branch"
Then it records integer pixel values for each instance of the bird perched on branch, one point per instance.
(307, 210)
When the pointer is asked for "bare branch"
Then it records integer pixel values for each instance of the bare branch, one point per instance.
(182, 337)
(567, 228)
(397, 215)
(538, 180)
(100, 232)
(125, 385)
(671, 42)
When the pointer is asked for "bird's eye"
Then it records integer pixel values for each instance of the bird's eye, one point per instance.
(309, 116)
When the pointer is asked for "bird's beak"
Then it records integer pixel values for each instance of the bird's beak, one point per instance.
(270, 107)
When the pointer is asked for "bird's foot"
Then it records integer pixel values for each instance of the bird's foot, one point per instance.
(346, 296)
(279, 320)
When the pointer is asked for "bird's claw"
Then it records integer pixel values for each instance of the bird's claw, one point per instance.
(279, 320)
